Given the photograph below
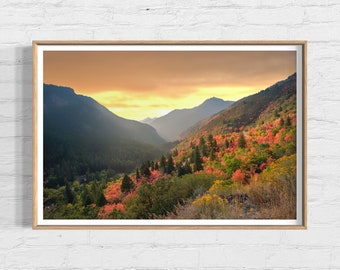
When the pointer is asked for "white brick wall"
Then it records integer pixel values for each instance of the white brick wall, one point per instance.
(316, 21)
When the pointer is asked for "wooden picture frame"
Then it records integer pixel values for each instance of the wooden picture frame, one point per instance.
(66, 174)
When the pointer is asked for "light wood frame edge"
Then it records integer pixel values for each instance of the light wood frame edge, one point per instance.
(35, 138)
(34, 135)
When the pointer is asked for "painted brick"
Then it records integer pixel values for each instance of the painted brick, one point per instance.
(316, 21)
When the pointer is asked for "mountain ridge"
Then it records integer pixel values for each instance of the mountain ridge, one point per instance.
(246, 110)
(171, 125)
(80, 131)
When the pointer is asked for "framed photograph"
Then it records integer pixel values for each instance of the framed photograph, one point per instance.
(169, 135)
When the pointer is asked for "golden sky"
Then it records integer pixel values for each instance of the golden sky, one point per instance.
(140, 84)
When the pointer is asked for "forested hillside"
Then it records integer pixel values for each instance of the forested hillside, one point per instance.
(82, 137)
(238, 164)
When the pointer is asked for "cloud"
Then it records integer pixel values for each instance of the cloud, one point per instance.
(137, 84)
(164, 73)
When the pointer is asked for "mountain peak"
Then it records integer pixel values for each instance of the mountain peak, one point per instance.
(171, 125)
(213, 100)
(247, 110)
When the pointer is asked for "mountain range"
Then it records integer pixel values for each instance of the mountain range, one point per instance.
(171, 125)
(81, 135)
(248, 111)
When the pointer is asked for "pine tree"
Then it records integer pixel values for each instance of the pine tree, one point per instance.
(86, 198)
(198, 160)
(212, 143)
(144, 169)
(101, 200)
(162, 164)
(226, 143)
(180, 170)
(203, 147)
(170, 165)
(127, 184)
(68, 192)
(241, 141)
(211, 155)
(187, 167)
(137, 174)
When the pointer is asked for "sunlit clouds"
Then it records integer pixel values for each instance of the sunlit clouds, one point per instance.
(139, 84)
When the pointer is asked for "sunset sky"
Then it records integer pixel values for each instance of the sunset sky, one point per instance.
(140, 84)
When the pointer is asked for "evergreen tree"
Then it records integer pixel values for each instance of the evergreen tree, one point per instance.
(144, 169)
(180, 170)
(156, 166)
(137, 174)
(212, 144)
(68, 192)
(198, 160)
(86, 198)
(187, 167)
(170, 165)
(281, 122)
(127, 184)
(211, 155)
(241, 141)
(203, 147)
(101, 201)
(162, 164)
(226, 143)
(288, 121)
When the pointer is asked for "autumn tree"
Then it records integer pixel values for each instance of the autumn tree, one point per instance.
(238, 176)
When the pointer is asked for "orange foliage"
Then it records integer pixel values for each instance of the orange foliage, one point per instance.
(278, 135)
(108, 208)
(288, 138)
(238, 176)
(113, 192)
(155, 175)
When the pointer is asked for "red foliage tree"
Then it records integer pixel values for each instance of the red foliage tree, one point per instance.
(238, 176)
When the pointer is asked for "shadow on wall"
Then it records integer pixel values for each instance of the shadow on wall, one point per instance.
(23, 133)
